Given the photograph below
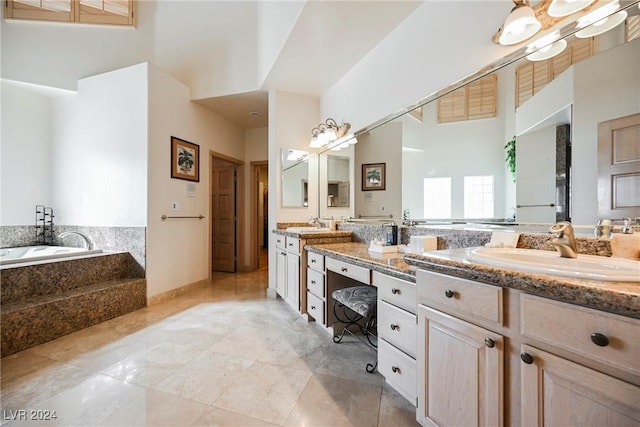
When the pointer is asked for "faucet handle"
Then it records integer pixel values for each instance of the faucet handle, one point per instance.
(627, 228)
(559, 228)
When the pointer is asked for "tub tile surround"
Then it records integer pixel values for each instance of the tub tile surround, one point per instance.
(45, 300)
(109, 239)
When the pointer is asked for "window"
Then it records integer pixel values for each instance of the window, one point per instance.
(437, 197)
(114, 12)
(531, 77)
(478, 196)
(477, 100)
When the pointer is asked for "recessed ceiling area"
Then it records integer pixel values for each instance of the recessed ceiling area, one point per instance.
(248, 110)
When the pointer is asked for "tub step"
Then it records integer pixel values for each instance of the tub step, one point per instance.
(43, 318)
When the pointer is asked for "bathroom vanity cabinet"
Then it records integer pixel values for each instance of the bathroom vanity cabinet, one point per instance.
(288, 274)
(489, 355)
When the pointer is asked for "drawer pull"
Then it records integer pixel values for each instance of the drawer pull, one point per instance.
(313, 261)
(395, 291)
(526, 358)
(290, 245)
(489, 342)
(344, 269)
(313, 307)
(599, 339)
(449, 293)
(394, 327)
(313, 282)
(395, 369)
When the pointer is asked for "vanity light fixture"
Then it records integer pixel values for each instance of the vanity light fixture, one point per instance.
(546, 47)
(560, 8)
(520, 25)
(327, 132)
(601, 20)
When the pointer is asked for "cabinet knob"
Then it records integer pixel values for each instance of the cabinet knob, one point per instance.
(489, 342)
(313, 282)
(395, 291)
(313, 261)
(449, 293)
(313, 307)
(599, 339)
(526, 358)
(344, 269)
(290, 245)
(394, 327)
(395, 369)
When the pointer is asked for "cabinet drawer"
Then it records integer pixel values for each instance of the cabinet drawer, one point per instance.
(398, 369)
(315, 283)
(460, 296)
(571, 327)
(315, 261)
(315, 308)
(395, 291)
(281, 242)
(293, 244)
(355, 272)
(398, 327)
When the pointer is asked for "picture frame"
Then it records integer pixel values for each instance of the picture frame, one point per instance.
(185, 160)
(373, 176)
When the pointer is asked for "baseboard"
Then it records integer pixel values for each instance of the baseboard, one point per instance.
(173, 293)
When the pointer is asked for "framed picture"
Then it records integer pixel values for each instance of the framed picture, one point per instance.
(373, 176)
(185, 160)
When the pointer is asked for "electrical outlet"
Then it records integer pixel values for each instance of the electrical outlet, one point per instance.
(175, 206)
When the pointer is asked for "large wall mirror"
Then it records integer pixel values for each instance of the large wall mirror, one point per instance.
(438, 169)
(336, 169)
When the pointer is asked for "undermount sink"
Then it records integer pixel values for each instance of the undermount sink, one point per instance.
(306, 230)
(590, 267)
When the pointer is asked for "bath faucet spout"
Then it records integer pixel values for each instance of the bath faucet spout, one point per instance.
(564, 240)
(88, 244)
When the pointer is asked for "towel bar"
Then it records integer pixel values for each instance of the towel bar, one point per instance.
(163, 217)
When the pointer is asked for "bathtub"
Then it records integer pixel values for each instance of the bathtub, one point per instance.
(38, 253)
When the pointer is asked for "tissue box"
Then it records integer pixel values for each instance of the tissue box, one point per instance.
(373, 247)
(423, 243)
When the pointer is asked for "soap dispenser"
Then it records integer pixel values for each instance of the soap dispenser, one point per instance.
(391, 234)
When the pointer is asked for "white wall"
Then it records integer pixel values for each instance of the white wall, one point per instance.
(606, 86)
(291, 118)
(409, 64)
(25, 153)
(382, 145)
(99, 177)
(536, 175)
(177, 251)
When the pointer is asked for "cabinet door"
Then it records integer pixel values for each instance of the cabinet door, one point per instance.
(293, 281)
(558, 392)
(281, 272)
(460, 372)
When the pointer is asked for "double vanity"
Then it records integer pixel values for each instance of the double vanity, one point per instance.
(489, 336)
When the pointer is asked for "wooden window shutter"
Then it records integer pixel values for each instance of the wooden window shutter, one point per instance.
(481, 98)
(477, 100)
(118, 12)
(632, 29)
(114, 12)
(524, 83)
(451, 107)
(42, 10)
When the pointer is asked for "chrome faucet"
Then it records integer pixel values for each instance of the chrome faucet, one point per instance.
(564, 240)
(88, 244)
(315, 221)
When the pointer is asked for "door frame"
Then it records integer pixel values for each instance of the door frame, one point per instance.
(253, 215)
(240, 263)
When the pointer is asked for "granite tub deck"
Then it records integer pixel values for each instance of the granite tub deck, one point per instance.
(615, 297)
(42, 301)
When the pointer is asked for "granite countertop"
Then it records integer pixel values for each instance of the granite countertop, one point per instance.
(616, 297)
(358, 254)
(315, 234)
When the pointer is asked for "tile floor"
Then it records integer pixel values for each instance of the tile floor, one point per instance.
(220, 355)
